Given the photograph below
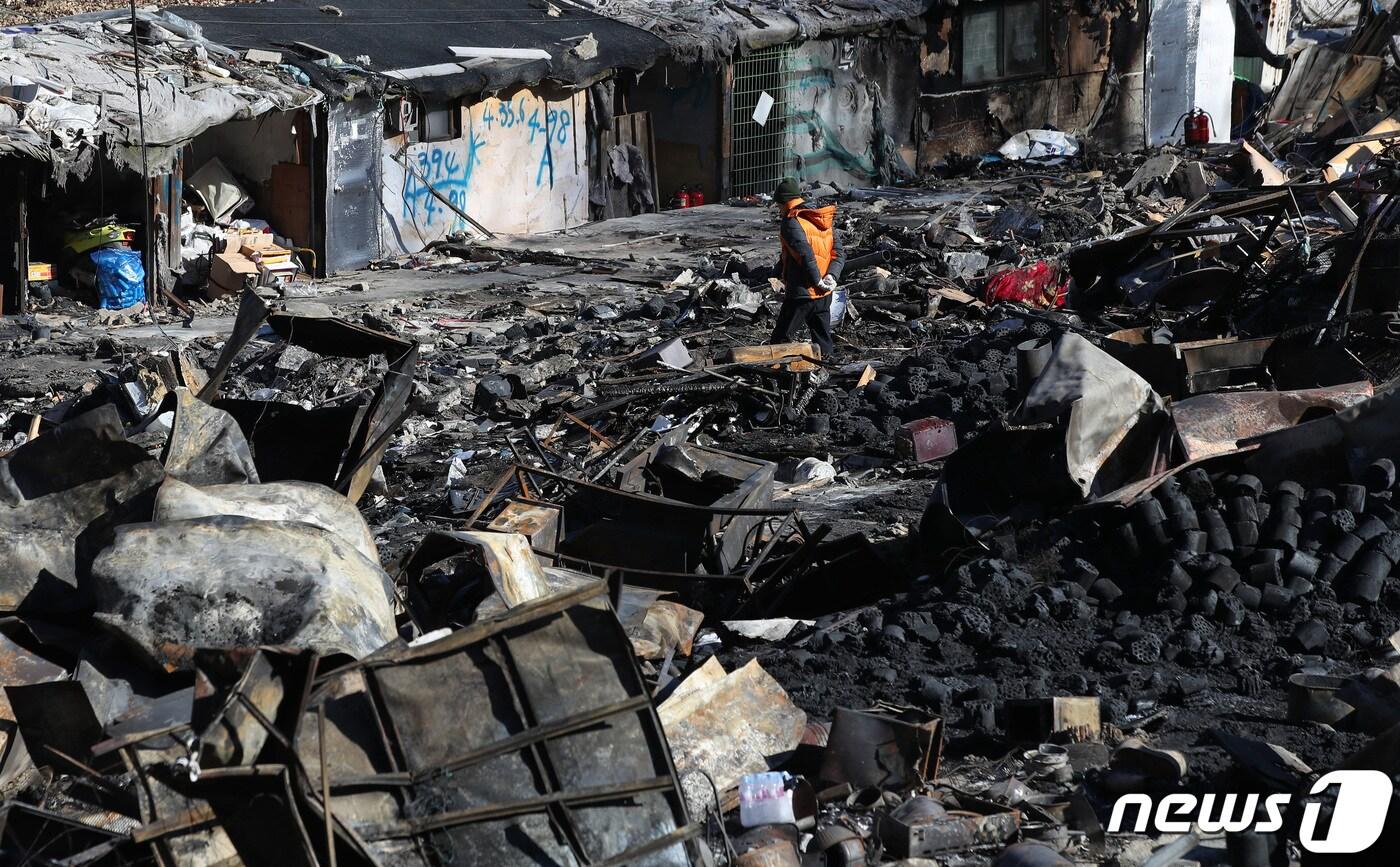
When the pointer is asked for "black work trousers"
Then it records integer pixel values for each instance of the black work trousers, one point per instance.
(815, 313)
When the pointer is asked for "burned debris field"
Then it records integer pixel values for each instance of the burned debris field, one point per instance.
(749, 435)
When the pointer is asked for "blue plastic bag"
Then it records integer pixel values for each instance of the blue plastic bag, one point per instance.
(121, 277)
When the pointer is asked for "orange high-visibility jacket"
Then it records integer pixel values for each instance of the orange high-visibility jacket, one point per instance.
(811, 250)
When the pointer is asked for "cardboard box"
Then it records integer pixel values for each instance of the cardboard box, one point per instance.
(238, 239)
(277, 275)
(228, 274)
(287, 268)
(1034, 720)
(268, 254)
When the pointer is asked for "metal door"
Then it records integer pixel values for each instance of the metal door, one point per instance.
(354, 145)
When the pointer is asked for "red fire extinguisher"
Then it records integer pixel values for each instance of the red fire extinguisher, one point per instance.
(697, 196)
(1198, 127)
(681, 198)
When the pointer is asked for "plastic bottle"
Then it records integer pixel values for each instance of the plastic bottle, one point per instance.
(765, 799)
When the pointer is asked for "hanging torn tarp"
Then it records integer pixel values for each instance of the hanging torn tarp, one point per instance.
(1116, 426)
(74, 90)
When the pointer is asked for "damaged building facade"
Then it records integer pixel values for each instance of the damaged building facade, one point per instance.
(450, 122)
(748, 96)
(80, 148)
(610, 110)
(396, 129)
(991, 69)
(1119, 75)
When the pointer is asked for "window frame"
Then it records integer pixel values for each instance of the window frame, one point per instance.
(416, 110)
(452, 108)
(1042, 43)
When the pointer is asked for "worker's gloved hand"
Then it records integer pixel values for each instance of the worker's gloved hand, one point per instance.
(829, 283)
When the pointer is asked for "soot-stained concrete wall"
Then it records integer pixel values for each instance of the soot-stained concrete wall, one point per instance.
(1092, 85)
(852, 108)
(686, 102)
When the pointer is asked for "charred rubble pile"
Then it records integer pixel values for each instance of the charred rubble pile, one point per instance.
(1097, 498)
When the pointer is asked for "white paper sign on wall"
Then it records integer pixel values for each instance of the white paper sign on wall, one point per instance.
(761, 111)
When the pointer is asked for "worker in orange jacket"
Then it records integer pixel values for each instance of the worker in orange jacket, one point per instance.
(810, 266)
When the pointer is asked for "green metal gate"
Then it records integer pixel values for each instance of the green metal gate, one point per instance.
(758, 155)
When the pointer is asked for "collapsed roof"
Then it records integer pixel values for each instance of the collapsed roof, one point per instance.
(70, 88)
(448, 49)
(715, 29)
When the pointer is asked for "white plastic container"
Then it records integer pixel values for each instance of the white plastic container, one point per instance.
(765, 799)
(839, 302)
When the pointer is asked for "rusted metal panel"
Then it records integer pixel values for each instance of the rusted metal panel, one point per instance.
(539, 522)
(1190, 367)
(1211, 364)
(892, 748)
(278, 430)
(19, 665)
(526, 738)
(926, 827)
(746, 483)
(1213, 424)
